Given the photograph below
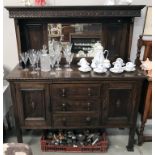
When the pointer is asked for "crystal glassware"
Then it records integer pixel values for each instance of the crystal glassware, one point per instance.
(52, 63)
(38, 54)
(45, 60)
(69, 59)
(33, 58)
(57, 46)
(67, 51)
(24, 57)
(58, 59)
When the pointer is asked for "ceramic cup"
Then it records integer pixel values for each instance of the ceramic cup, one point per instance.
(130, 65)
(101, 68)
(120, 60)
(83, 61)
(106, 63)
(117, 66)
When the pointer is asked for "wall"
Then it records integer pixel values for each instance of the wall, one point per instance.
(10, 58)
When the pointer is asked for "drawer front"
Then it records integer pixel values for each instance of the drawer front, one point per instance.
(76, 105)
(76, 120)
(75, 90)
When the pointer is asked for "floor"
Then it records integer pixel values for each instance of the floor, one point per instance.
(118, 139)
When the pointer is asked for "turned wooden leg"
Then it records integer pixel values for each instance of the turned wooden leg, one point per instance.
(131, 141)
(140, 136)
(144, 116)
(19, 135)
(18, 131)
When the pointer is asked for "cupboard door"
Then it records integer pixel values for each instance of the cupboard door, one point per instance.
(33, 35)
(118, 102)
(33, 104)
(114, 32)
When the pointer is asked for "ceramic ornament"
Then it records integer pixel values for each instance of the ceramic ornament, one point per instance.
(147, 65)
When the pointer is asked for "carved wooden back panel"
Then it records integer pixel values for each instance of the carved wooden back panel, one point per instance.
(117, 24)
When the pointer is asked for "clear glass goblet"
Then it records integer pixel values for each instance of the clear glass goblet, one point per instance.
(24, 57)
(52, 63)
(33, 58)
(67, 51)
(38, 54)
(58, 59)
(69, 60)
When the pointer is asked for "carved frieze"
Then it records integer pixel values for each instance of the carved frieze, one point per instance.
(76, 12)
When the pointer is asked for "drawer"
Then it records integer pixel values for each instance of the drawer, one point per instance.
(76, 120)
(75, 105)
(75, 90)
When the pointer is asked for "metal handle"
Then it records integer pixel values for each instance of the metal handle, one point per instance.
(89, 104)
(33, 105)
(107, 53)
(63, 92)
(89, 92)
(64, 106)
(118, 103)
(88, 119)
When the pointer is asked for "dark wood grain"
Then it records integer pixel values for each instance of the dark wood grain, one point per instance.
(75, 99)
(33, 104)
(145, 107)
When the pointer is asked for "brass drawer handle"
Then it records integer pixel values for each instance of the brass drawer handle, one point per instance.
(33, 105)
(64, 106)
(88, 120)
(89, 105)
(63, 92)
(89, 92)
(118, 103)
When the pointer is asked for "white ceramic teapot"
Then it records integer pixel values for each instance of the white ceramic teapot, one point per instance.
(99, 56)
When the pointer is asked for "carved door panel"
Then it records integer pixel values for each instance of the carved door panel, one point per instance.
(116, 38)
(33, 35)
(33, 104)
(118, 102)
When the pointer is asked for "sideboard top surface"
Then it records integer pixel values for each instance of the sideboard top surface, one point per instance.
(18, 74)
